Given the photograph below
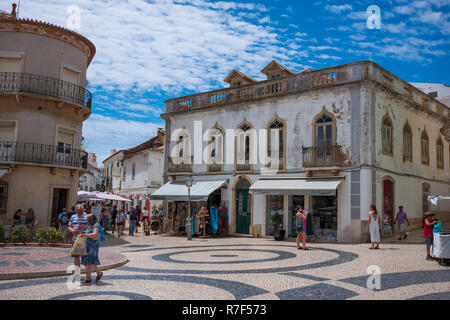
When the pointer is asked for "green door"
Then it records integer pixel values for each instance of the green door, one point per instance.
(243, 207)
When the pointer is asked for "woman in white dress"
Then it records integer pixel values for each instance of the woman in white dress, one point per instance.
(374, 227)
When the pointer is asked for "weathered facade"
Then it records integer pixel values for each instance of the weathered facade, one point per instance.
(355, 128)
(43, 103)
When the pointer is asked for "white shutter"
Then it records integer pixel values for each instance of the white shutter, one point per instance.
(65, 137)
(7, 133)
(10, 65)
(71, 76)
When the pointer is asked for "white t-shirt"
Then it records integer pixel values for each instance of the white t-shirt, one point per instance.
(145, 213)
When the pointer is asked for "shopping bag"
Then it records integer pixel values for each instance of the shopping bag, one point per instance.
(79, 247)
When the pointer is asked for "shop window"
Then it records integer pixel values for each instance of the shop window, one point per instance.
(387, 138)
(407, 143)
(276, 145)
(440, 154)
(3, 197)
(425, 148)
(275, 213)
(324, 217)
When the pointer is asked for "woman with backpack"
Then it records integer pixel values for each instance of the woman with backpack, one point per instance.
(94, 234)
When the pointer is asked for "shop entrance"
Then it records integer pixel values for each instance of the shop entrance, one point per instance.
(324, 217)
(59, 202)
(388, 206)
(243, 207)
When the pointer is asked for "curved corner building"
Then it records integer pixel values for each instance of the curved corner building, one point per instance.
(43, 103)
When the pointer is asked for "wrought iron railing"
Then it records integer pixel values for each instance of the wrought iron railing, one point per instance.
(16, 82)
(322, 157)
(42, 154)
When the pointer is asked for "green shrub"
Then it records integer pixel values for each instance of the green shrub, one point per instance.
(48, 235)
(277, 219)
(20, 233)
(2, 232)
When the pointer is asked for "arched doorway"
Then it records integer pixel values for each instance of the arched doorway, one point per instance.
(243, 206)
(388, 202)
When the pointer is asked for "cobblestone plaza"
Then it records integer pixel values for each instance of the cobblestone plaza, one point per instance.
(165, 267)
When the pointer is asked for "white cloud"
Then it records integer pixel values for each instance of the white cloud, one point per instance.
(338, 9)
(107, 133)
(167, 45)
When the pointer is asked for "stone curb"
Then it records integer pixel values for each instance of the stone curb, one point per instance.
(60, 273)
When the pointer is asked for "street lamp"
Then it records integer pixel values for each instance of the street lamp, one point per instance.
(189, 183)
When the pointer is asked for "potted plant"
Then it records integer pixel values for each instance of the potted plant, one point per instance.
(278, 232)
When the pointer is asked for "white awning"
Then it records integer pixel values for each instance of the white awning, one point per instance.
(177, 190)
(317, 187)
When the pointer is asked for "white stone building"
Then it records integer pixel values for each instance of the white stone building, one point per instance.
(348, 136)
(92, 179)
(136, 172)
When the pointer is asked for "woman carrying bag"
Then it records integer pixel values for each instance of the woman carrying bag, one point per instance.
(93, 236)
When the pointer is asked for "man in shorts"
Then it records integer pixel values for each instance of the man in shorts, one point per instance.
(77, 224)
(403, 221)
(428, 232)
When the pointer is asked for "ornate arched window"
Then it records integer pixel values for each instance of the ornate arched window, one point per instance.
(276, 143)
(215, 149)
(243, 147)
(180, 156)
(440, 154)
(407, 142)
(386, 135)
(425, 148)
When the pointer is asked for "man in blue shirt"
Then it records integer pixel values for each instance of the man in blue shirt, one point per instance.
(77, 224)
(63, 219)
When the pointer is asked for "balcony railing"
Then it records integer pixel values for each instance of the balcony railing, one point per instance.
(24, 152)
(304, 82)
(182, 167)
(322, 157)
(15, 82)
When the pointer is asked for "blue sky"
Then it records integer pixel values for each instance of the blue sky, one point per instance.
(150, 51)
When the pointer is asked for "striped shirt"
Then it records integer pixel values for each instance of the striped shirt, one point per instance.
(76, 221)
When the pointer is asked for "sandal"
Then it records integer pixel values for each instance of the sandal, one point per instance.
(299, 248)
(86, 281)
(99, 277)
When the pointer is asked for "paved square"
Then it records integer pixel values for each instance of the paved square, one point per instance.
(165, 267)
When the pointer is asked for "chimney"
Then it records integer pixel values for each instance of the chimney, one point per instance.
(13, 12)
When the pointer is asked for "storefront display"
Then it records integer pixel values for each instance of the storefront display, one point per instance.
(324, 217)
(275, 213)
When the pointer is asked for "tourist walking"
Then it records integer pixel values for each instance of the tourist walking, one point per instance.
(146, 220)
(104, 218)
(114, 214)
(91, 261)
(301, 216)
(17, 218)
(121, 219)
(63, 219)
(139, 218)
(77, 224)
(30, 219)
(133, 216)
(403, 221)
(428, 232)
(374, 227)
